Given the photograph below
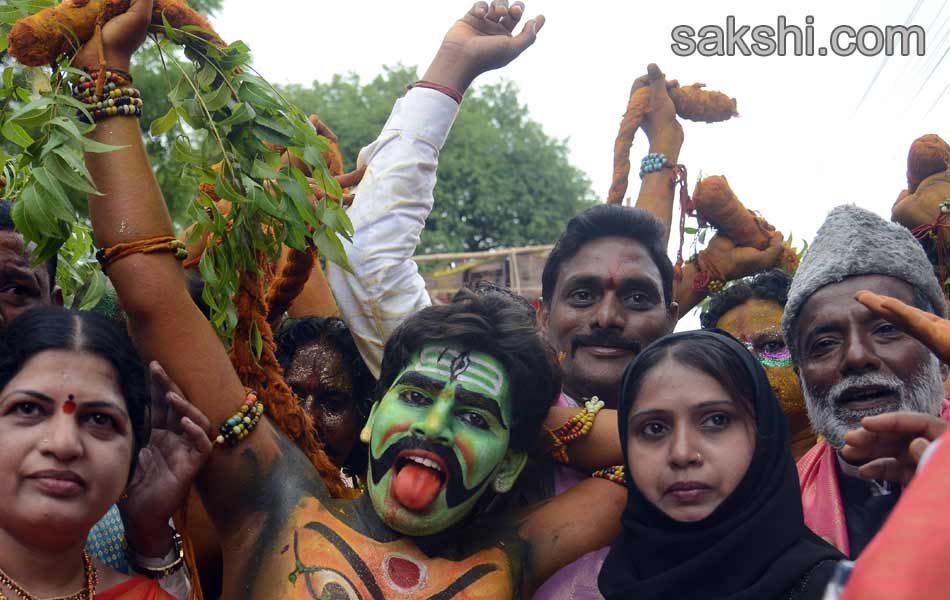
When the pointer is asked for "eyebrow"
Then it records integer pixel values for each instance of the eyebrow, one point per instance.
(421, 381)
(467, 397)
(480, 401)
(821, 330)
(701, 406)
(85, 405)
(18, 274)
(633, 280)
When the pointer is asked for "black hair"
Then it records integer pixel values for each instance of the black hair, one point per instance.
(6, 224)
(609, 220)
(57, 328)
(769, 285)
(498, 325)
(714, 360)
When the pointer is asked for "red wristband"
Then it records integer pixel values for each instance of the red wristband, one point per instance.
(450, 92)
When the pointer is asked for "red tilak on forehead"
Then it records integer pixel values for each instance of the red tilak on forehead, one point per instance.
(612, 272)
(69, 407)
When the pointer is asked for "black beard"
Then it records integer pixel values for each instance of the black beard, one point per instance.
(455, 491)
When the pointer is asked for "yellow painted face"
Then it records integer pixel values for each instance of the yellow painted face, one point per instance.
(757, 323)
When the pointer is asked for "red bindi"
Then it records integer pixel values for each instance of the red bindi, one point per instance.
(69, 407)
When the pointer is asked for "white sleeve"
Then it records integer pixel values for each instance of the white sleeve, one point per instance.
(388, 214)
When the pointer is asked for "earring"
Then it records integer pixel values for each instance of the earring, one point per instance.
(124, 496)
(502, 484)
(699, 457)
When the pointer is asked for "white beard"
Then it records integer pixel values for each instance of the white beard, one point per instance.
(923, 394)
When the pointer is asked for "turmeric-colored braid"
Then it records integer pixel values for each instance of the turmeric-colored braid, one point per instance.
(265, 374)
(165, 243)
(637, 106)
(289, 282)
(188, 549)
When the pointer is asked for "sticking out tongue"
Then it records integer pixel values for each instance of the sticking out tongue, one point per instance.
(416, 486)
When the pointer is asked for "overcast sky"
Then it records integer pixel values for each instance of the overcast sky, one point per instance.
(804, 142)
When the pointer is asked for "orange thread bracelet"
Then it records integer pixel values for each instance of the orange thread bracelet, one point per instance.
(165, 243)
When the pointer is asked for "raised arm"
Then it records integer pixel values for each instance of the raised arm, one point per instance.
(395, 197)
(163, 320)
(666, 137)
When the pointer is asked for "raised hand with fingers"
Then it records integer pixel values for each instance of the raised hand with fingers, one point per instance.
(482, 40)
(928, 328)
(178, 447)
(890, 445)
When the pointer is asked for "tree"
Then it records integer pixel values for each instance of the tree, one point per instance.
(502, 181)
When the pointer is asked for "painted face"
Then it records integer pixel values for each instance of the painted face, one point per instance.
(65, 446)
(757, 323)
(21, 285)
(438, 438)
(608, 303)
(319, 378)
(855, 364)
(688, 443)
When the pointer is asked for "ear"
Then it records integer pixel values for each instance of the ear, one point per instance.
(944, 371)
(674, 314)
(508, 471)
(57, 296)
(544, 314)
(368, 428)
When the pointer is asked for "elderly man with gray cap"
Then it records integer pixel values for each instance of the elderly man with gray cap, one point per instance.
(854, 364)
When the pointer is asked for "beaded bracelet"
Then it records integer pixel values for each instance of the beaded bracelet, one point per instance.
(575, 428)
(653, 162)
(241, 423)
(107, 94)
(614, 474)
(165, 243)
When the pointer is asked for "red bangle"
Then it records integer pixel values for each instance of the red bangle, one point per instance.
(450, 92)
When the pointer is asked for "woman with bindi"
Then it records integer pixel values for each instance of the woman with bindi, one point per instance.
(751, 311)
(74, 413)
(713, 508)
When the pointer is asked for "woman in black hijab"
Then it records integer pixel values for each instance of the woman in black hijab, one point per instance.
(714, 510)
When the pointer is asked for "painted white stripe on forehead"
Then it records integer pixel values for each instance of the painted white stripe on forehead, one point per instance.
(469, 369)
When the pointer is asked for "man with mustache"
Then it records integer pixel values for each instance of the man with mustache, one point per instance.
(854, 364)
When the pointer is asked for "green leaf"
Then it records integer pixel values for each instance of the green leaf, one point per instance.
(240, 113)
(61, 167)
(257, 342)
(183, 152)
(206, 75)
(330, 246)
(96, 290)
(57, 201)
(217, 99)
(164, 123)
(16, 134)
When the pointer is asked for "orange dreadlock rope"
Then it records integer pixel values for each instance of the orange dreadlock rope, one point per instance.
(165, 243)
(39, 39)
(288, 283)
(692, 102)
(265, 374)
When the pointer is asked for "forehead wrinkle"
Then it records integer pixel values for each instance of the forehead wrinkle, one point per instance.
(597, 254)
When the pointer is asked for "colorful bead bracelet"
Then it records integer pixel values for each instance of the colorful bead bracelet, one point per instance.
(241, 423)
(575, 428)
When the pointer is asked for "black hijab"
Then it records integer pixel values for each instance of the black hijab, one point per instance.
(754, 545)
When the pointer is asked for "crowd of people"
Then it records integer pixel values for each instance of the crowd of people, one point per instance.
(486, 448)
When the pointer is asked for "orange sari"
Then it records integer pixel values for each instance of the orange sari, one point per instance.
(137, 588)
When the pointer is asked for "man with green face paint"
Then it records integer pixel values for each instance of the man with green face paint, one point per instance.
(439, 438)
(466, 387)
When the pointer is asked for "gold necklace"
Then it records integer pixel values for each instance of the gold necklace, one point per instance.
(87, 593)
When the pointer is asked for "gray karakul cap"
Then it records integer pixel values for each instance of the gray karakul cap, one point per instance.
(851, 242)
